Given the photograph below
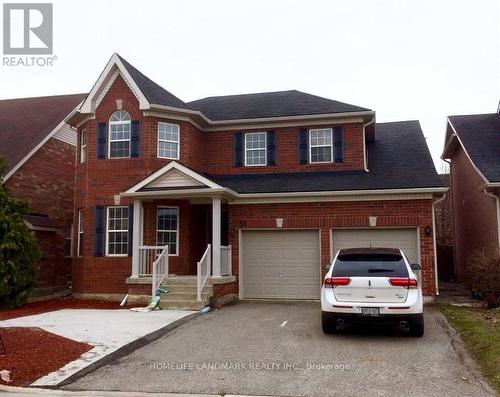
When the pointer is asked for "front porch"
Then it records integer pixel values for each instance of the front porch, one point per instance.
(179, 238)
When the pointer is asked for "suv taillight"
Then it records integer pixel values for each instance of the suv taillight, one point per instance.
(333, 281)
(403, 282)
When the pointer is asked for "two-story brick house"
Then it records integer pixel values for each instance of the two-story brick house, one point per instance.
(265, 186)
(39, 148)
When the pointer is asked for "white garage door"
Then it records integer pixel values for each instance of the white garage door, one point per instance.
(406, 239)
(281, 264)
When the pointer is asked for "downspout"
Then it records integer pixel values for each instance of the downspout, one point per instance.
(434, 241)
(498, 211)
(364, 144)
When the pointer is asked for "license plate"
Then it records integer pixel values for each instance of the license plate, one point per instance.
(370, 311)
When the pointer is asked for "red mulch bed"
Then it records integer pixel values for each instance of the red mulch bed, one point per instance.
(57, 304)
(31, 353)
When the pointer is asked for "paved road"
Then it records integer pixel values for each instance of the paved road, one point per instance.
(279, 349)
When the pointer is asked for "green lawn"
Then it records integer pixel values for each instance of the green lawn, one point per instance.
(480, 332)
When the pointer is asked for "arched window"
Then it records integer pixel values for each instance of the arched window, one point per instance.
(119, 135)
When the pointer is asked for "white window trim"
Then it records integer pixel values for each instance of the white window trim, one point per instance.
(177, 231)
(170, 141)
(331, 146)
(255, 149)
(129, 140)
(83, 147)
(113, 231)
(81, 232)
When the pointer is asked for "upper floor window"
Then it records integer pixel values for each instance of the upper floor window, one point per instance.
(117, 231)
(256, 148)
(83, 146)
(320, 145)
(168, 141)
(119, 135)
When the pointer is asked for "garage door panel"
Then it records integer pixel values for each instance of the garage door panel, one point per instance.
(404, 238)
(287, 266)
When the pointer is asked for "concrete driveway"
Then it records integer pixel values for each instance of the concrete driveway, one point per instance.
(279, 349)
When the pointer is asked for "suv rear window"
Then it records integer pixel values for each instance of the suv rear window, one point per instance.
(369, 265)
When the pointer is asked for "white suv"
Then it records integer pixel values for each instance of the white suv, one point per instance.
(372, 284)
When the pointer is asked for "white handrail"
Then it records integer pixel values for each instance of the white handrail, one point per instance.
(148, 254)
(204, 267)
(225, 261)
(160, 270)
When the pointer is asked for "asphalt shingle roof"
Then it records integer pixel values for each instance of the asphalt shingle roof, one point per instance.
(480, 135)
(398, 158)
(25, 122)
(269, 104)
(153, 92)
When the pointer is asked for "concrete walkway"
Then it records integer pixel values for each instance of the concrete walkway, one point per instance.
(106, 330)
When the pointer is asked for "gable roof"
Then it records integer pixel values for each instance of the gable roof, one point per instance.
(269, 104)
(153, 92)
(398, 159)
(26, 122)
(213, 110)
(479, 135)
(160, 180)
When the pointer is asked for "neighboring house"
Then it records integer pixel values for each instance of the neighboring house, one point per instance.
(276, 183)
(444, 234)
(40, 148)
(472, 146)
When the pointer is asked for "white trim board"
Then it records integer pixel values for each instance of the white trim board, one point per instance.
(90, 103)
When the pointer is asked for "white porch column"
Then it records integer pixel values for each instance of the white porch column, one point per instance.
(136, 236)
(216, 236)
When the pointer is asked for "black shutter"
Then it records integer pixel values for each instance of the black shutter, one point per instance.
(135, 138)
(303, 146)
(271, 147)
(130, 228)
(238, 149)
(99, 231)
(339, 144)
(101, 141)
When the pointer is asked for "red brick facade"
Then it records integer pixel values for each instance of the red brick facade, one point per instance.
(286, 154)
(474, 213)
(99, 181)
(46, 183)
(331, 215)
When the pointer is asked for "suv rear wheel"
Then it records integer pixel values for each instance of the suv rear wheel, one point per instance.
(328, 323)
(417, 326)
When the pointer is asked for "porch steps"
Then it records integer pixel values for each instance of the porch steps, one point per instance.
(183, 293)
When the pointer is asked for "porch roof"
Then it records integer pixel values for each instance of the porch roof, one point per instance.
(177, 180)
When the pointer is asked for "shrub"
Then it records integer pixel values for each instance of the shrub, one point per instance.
(484, 272)
(18, 249)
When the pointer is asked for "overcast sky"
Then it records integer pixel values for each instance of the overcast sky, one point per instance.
(405, 59)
